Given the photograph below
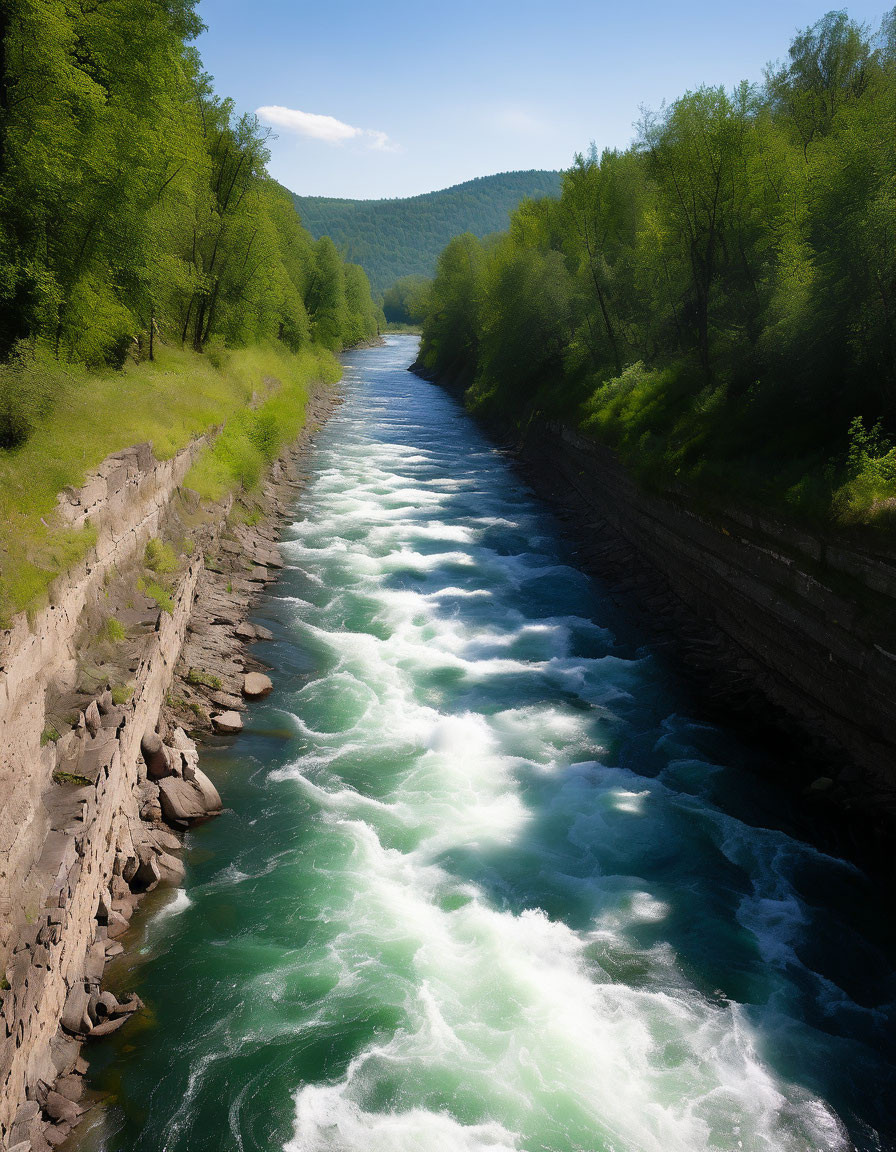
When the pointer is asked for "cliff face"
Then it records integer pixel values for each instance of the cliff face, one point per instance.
(812, 615)
(90, 817)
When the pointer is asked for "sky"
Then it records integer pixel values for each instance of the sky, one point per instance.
(396, 98)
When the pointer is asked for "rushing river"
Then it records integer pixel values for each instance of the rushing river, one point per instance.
(485, 885)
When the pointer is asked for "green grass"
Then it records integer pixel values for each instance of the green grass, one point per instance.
(71, 778)
(254, 437)
(160, 557)
(205, 679)
(159, 593)
(121, 693)
(113, 630)
(168, 402)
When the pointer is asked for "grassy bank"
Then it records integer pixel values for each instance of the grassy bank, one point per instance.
(258, 393)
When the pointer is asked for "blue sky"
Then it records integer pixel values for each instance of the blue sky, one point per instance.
(397, 98)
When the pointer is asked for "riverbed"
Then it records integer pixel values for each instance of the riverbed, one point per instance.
(486, 881)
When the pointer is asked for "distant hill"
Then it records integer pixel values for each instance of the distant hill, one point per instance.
(392, 238)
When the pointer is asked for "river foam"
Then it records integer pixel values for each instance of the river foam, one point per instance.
(485, 884)
(518, 1027)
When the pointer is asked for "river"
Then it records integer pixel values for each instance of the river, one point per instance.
(484, 883)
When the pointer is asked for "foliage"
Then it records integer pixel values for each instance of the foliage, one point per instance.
(205, 679)
(122, 693)
(718, 301)
(393, 239)
(138, 226)
(113, 631)
(254, 436)
(159, 557)
(168, 401)
(406, 301)
(135, 206)
(159, 592)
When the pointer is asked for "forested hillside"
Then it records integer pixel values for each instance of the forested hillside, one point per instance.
(394, 238)
(719, 301)
(138, 231)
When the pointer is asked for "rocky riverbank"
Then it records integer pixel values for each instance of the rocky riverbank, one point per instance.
(780, 630)
(140, 656)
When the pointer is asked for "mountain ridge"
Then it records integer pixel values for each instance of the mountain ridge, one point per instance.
(403, 235)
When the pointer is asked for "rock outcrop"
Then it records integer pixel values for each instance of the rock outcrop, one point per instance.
(93, 814)
(805, 620)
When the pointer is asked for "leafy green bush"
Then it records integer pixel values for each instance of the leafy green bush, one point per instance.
(160, 557)
(159, 593)
(113, 630)
(870, 488)
(28, 388)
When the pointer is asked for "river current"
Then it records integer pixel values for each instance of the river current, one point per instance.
(484, 883)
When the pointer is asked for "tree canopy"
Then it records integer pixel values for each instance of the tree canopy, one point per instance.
(392, 239)
(719, 301)
(134, 201)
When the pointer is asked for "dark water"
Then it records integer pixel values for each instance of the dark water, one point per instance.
(484, 884)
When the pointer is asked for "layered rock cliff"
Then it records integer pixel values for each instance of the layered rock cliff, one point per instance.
(806, 617)
(98, 768)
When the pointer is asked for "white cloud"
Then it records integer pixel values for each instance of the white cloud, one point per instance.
(327, 128)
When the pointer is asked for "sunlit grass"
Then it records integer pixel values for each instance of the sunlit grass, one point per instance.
(167, 402)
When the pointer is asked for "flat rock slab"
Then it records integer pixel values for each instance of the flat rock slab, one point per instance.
(228, 722)
(256, 684)
(186, 801)
(227, 702)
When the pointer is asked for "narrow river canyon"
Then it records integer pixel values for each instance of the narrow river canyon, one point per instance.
(485, 881)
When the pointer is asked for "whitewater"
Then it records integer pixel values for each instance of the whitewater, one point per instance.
(486, 883)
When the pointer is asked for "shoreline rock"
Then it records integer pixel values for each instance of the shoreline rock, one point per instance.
(122, 786)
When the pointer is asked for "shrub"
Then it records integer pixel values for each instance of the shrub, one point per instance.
(159, 557)
(113, 630)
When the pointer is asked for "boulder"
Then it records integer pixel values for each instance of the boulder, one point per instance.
(71, 1087)
(74, 1015)
(228, 722)
(105, 703)
(210, 795)
(245, 631)
(256, 685)
(92, 720)
(101, 1006)
(228, 703)
(155, 756)
(60, 1110)
(117, 925)
(171, 870)
(182, 802)
(167, 841)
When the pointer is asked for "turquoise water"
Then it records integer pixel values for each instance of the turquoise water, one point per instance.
(484, 884)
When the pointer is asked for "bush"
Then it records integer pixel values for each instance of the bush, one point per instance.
(160, 558)
(28, 388)
(113, 630)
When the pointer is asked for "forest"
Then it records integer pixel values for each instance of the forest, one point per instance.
(392, 239)
(135, 206)
(717, 302)
(154, 280)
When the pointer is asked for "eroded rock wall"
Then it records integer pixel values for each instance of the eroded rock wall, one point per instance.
(814, 614)
(125, 500)
(89, 857)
